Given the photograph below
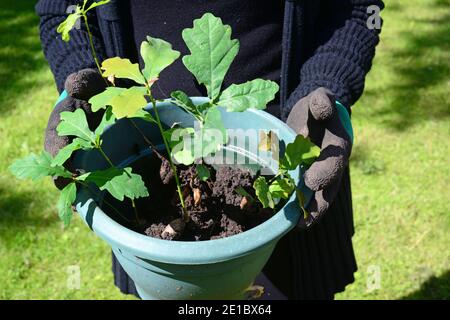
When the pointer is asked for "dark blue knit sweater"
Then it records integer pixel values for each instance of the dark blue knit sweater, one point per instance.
(325, 43)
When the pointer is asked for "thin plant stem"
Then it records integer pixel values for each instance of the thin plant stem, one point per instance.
(132, 200)
(275, 177)
(172, 165)
(174, 169)
(117, 211)
(97, 63)
(94, 54)
(84, 5)
(150, 144)
(105, 156)
(136, 214)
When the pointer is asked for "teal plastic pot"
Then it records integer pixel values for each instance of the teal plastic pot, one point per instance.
(161, 269)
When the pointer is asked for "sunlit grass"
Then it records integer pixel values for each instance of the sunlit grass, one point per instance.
(401, 160)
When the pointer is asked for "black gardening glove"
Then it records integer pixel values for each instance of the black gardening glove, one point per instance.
(79, 88)
(316, 116)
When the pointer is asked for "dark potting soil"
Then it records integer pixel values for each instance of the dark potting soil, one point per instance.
(216, 210)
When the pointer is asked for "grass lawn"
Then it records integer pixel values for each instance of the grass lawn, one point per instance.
(400, 167)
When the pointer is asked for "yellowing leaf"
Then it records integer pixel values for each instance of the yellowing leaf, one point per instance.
(103, 99)
(122, 68)
(268, 141)
(128, 102)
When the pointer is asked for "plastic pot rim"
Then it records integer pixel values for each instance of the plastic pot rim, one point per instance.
(191, 252)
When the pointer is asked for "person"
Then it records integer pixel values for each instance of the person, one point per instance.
(319, 51)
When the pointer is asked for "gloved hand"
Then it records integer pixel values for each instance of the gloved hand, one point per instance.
(328, 125)
(79, 88)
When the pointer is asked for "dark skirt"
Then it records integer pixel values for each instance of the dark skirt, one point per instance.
(307, 264)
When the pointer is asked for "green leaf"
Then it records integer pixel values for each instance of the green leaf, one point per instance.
(175, 134)
(66, 152)
(201, 143)
(184, 156)
(128, 185)
(103, 99)
(262, 192)
(301, 151)
(202, 172)
(107, 120)
(128, 102)
(168, 136)
(101, 177)
(211, 137)
(281, 188)
(214, 133)
(122, 68)
(240, 190)
(253, 94)
(145, 115)
(65, 201)
(202, 108)
(36, 167)
(183, 152)
(68, 24)
(301, 201)
(124, 102)
(157, 55)
(119, 183)
(182, 100)
(75, 124)
(96, 4)
(212, 52)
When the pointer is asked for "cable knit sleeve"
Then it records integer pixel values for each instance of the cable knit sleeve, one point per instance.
(342, 62)
(65, 58)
